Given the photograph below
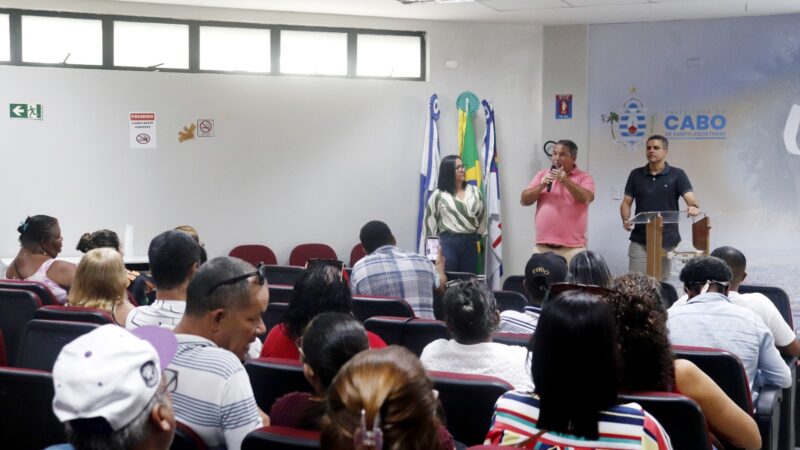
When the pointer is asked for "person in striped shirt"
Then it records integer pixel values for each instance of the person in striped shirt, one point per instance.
(567, 409)
(456, 214)
(542, 270)
(224, 304)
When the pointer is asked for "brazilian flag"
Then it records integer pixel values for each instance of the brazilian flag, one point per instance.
(468, 104)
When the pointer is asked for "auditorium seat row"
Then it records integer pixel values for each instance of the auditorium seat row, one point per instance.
(255, 253)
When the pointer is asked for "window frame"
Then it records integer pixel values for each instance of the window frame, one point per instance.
(107, 20)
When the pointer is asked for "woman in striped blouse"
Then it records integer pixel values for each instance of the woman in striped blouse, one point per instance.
(455, 213)
(575, 372)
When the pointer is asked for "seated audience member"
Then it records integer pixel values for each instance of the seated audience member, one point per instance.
(141, 286)
(317, 290)
(188, 229)
(471, 317)
(174, 258)
(101, 282)
(588, 267)
(40, 242)
(709, 319)
(648, 363)
(224, 303)
(785, 338)
(383, 399)
(112, 392)
(390, 272)
(330, 340)
(542, 270)
(576, 331)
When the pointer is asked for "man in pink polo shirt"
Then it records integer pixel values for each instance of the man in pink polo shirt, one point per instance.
(562, 195)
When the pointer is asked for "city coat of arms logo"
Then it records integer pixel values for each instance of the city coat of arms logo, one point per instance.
(629, 126)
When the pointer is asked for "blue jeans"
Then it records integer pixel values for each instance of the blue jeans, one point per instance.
(460, 252)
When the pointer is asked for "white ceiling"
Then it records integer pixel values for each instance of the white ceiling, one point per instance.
(536, 12)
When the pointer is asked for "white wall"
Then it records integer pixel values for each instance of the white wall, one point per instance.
(295, 159)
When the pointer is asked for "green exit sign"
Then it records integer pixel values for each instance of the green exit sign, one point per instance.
(25, 111)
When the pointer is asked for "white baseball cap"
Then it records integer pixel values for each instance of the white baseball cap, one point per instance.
(104, 379)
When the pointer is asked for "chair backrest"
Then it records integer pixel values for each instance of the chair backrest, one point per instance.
(514, 283)
(724, 368)
(273, 315)
(280, 293)
(26, 415)
(186, 438)
(3, 356)
(285, 275)
(412, 333)
(468, 402)
(510, 300)
(668, 294)
(272, 378)
(303, 252)
(16, 309)
(459, 275)
(254, 254)
(365, 307)
(356, 254)
(41, 291)
(42, 341)
(521, 339)
(73, 314)
(680, 416)
(777, 296)
(281, 438)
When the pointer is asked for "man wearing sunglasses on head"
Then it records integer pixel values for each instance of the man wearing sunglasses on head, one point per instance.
(224, 304)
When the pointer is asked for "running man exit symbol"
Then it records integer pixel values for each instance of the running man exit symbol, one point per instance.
(25, 111)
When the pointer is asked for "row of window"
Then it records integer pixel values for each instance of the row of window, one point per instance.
(79, 40)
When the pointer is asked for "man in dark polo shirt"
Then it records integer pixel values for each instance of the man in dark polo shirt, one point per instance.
(655, 187)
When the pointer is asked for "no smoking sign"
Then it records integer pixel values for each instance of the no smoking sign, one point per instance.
(205, 128)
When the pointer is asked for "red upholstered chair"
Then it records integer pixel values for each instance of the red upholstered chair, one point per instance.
(3, 358)
(365, 306)
(412, 333)
(42, 341)
(468, 402)
(285, 275)
(273, 378)
(16, 309)
(303, 252)
(357, 253)
(728, 372)
(73, 314)
(45, 296)
(281, 438)
(186, 439)
(514, 283)
(26, 416)
(510, 300)
(280, 293)
(273, 315)
(254, 254)
(521, 339)
(680, 416)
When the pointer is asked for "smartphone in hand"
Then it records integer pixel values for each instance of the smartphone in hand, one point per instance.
(432, 248)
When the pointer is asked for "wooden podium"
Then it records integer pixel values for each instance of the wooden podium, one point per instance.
(654, 228)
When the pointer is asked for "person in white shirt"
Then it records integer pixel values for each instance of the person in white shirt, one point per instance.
(174, 258)
(785, 338)
(471, 316)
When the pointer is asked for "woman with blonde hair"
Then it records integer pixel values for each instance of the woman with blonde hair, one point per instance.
(101, 282)
(383, 399)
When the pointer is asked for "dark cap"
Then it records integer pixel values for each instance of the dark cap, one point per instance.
(548, 265)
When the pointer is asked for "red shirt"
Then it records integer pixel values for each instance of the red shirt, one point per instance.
(278, 345)
(560, 219)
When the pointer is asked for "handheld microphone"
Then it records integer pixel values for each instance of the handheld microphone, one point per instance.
(550, 184)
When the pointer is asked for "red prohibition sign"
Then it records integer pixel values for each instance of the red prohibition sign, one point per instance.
(143, 138)
(205, 126)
